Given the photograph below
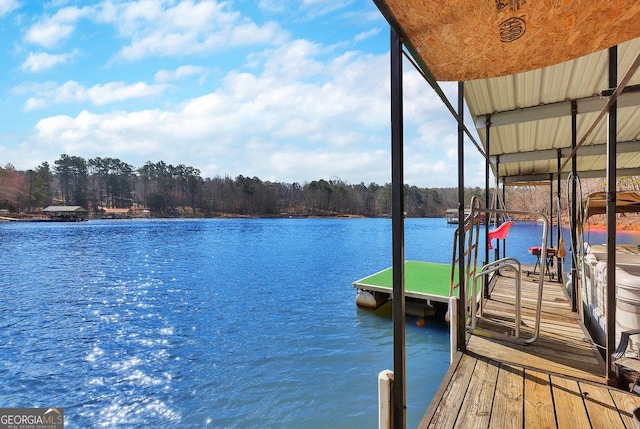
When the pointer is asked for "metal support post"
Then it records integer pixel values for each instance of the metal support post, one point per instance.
(462, 290)
(574, 212)
(611, 217)
(397, 227)
(485, 280)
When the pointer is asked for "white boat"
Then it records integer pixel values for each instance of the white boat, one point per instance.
(593, 269)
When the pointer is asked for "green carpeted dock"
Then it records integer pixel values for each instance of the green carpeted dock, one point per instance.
(423, 280)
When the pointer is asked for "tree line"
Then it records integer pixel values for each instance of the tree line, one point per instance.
(167, 190)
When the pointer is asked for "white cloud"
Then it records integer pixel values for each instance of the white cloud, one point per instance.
(302, 113)
(162, 29)
(315, 8)
(51, 31)
(186, 28)
(303, 10)
(366, 35)
(294, 60)
(181, 72)
(48, 34)
(36, 62)
(33, 103)
(7, 6)
(98, 95)
(298, 109)
(274, 128)
(119, 91)
(354, 166)
(272, 6)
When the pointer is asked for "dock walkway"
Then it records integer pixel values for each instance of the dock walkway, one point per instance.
(556, 382)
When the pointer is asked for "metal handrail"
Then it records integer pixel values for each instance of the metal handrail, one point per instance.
(543, 249)
(470, 227)
(504, 263)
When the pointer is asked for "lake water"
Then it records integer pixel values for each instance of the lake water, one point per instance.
(225, 323)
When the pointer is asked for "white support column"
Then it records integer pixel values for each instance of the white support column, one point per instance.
(453, 333)
(385, 408)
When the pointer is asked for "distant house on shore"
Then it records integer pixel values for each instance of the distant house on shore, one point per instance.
(66, 213)
(116, 213)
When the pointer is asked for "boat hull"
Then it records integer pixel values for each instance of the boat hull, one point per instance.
(627, 293)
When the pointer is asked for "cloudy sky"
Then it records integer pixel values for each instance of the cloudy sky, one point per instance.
(286, 90)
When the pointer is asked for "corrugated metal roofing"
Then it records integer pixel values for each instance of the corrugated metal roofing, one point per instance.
(530, 116)
(66, 209)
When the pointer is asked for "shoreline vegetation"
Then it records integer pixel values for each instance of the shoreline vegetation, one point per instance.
(164, 190)
(113, 189)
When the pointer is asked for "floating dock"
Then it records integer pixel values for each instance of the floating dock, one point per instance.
(427, 288)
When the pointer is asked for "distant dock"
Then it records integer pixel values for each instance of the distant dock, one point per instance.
(427, 288)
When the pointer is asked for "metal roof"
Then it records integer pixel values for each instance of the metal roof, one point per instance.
(530, 109)
(530, 117)
(64, 209)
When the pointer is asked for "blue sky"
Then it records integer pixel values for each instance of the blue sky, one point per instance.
(288, 91)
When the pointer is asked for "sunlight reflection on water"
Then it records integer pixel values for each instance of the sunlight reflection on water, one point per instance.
(233, 323)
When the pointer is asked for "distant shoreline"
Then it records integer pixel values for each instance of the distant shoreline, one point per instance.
(624, 223)
(629, 223)
(619, 227)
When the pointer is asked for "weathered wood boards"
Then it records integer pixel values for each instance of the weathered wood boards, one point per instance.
(557, 382)
(476, 39)
(483, 393)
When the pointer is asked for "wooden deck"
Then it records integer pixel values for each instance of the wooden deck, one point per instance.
(556, 382)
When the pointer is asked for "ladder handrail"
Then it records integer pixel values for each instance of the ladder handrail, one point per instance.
(471, 228)
(543, 250)
(491, 267)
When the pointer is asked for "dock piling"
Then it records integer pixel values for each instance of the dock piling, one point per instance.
(385, 383)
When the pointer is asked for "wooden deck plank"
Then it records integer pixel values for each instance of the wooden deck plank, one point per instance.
(600, 406)
(538, 401)
(522, 356)
(476, 408)
(563, 347)
(507, 412)
(570, 409)
(433, 406)
(556, 382)
(447, 412)
(625, 403)
(554, 342)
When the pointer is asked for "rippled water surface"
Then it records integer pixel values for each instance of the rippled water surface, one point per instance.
(243, 323)
(202, 323)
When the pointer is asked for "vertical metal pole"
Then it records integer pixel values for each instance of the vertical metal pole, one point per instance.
(485, 279)
(611, 215)
(504, 200)
(550, 242)
(397, 227)
(462, 290)
(574, 212)
(559, 266)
